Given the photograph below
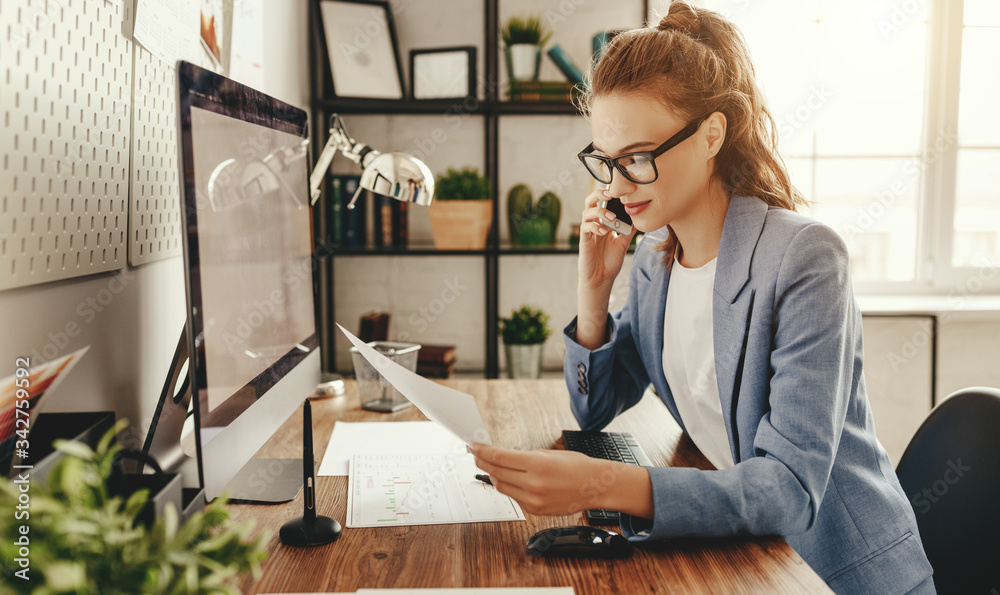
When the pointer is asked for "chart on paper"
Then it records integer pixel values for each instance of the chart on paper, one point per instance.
(422, 489)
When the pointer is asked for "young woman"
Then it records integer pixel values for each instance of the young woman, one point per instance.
(740, 314)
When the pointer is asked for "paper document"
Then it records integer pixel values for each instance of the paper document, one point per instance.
(388, 490)
(453, 409)
(385, 437)
(194, 30)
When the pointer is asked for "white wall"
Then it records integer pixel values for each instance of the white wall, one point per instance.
(131, 319)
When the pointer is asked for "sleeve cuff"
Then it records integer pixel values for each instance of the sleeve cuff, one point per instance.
(638, 529)
(609, 332)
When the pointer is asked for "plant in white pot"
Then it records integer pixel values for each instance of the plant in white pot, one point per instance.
(524, 334)
(462, 211)
(523, 38)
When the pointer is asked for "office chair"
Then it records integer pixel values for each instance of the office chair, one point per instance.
(951, 475)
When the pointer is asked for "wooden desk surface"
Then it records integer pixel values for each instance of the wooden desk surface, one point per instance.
(522, 414)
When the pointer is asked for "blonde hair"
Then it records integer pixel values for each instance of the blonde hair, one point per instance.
(696, 63)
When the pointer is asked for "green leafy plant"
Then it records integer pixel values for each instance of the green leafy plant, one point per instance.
(525, 29)
(466, 183)
(82, 540)
(526, 326)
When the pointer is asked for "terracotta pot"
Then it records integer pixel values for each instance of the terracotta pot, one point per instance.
(461, 224)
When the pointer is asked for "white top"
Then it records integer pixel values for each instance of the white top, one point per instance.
(689, 359)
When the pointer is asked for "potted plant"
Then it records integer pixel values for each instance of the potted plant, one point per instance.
(83, 540)
(462, 211)
(524, 334)
(523, 38)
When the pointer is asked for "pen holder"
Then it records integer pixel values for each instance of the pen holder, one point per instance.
(375, 391)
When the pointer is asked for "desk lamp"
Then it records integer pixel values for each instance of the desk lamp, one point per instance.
(396, 175)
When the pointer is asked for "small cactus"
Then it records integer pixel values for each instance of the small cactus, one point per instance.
(519, 209)
(549, 208)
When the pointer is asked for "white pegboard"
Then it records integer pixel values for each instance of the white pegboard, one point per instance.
(154, 214)
(154, 221)
(65, 98)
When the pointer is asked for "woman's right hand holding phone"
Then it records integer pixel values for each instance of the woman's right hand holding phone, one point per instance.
(601, 257)
(601, 252)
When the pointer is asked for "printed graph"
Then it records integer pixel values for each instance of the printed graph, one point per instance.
(421, 489)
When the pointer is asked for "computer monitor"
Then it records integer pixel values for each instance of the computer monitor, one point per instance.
(252, 340)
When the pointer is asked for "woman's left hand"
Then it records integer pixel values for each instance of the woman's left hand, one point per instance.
(549, 482)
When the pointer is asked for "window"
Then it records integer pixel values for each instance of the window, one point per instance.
(976, 225)
(883, 113)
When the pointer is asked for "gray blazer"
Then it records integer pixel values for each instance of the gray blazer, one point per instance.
(788, 356)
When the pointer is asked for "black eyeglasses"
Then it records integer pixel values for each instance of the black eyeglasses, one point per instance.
(639, 167)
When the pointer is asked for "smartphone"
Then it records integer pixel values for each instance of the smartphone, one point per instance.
(622, 225)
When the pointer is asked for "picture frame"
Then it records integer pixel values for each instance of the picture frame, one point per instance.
(361, 48)
(443, 73)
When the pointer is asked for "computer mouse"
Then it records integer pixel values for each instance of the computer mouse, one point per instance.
(580, 540)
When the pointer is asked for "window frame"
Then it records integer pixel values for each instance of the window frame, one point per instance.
(947, 28)
(937, 183)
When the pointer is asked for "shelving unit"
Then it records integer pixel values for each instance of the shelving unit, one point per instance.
(491, 107)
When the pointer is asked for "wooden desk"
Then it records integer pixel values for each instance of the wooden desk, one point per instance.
(523, 414)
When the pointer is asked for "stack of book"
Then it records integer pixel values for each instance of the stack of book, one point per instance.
(563, 91)
(542, 91)
(436, 361)
(349, 227)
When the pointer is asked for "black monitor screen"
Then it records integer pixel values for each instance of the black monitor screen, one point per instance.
(248, 244)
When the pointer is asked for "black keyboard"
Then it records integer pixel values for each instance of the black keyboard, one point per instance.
(612, 446)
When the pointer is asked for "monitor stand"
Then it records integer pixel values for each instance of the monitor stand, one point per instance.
(266, 481)
(260, 481)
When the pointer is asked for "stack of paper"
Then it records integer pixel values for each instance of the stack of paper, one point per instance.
(415, 473)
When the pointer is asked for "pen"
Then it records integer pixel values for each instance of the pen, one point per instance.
(484, 478)
(308, 467)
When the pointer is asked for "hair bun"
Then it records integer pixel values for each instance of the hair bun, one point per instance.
(682, 17)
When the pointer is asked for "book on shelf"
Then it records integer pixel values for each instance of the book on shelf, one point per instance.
(390, 222)
(383, 220)
(436, 361)
(437, 354)
(435, 370)
(335, 230)
(353, 220)
(374, 327)
(542, 91)
(400, 223)
(565, 64)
